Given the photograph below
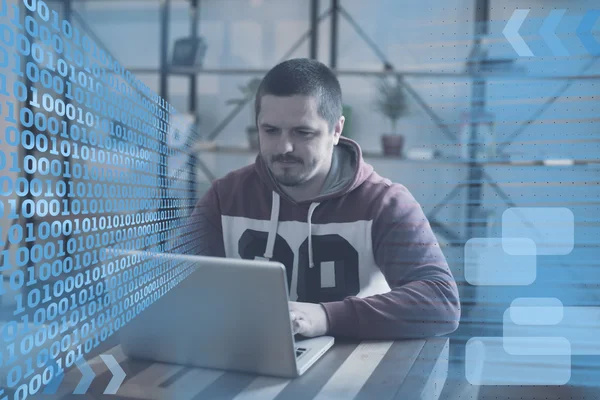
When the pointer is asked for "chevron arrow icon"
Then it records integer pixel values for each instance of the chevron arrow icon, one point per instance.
(86, 379)
(584, 32)
(548, 33)
(511, 33)
(117, 371)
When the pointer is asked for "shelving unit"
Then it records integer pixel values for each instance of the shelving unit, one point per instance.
(473, 67)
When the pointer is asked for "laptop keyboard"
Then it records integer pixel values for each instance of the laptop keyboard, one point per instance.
(300, 351)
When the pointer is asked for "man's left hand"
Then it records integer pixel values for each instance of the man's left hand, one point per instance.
(309, 320)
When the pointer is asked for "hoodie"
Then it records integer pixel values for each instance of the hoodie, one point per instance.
(362, 248)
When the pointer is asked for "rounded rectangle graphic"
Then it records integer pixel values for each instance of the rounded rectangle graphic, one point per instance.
(487, 363)
(551, 228)
(487, 263)
(536, 311)
(579, 325)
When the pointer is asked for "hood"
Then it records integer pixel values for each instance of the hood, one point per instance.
(348, 171)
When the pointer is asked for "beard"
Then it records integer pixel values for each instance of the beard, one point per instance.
(288, 178)
(290, 175)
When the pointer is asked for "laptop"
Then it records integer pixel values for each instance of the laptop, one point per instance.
(228, 314)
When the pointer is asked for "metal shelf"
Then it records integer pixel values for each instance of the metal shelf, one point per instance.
(187, 71)
(211, 147)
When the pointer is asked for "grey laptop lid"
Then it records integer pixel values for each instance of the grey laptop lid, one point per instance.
(228, 314)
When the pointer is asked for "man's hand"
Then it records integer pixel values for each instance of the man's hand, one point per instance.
(308, 319)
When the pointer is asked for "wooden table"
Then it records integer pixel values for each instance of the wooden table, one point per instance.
(406, 369)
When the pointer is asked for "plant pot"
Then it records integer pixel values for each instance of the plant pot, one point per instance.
(392, 144)
(252, 135)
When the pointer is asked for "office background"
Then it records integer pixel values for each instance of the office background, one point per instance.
(535, 117)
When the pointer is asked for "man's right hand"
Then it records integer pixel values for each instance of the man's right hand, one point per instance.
(308, 319)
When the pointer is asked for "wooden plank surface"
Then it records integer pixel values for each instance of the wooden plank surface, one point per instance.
(428, 373)
(391, 371)
(403, 369)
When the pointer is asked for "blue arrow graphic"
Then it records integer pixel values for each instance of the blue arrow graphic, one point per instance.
(86, 379)
(584, 32)
(511, 33)
(57, 379)
(117, 371)
(548, 32)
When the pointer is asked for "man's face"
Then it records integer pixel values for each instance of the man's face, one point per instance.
(295, 141)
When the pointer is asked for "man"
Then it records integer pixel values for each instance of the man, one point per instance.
(361, 259)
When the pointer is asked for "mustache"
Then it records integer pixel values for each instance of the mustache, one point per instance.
(285, 159)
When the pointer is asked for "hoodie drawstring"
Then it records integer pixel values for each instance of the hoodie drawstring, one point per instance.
(311, 209)
(273, 229)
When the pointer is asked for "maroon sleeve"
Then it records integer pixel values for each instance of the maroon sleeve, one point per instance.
(423, 300)
(206, 223)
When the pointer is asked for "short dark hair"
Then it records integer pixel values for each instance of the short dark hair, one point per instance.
(304, 76)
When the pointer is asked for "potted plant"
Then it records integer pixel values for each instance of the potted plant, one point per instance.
(248, 92)
(392, 102)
